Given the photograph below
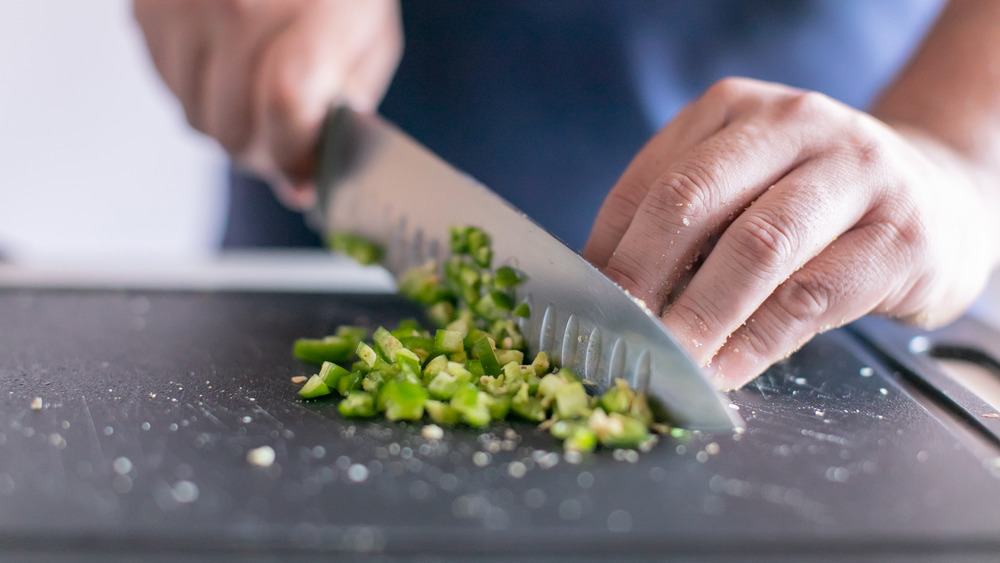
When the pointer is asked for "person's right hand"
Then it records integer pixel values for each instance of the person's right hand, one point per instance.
(259, 76)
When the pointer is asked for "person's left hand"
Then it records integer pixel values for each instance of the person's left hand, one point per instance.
(762, 215)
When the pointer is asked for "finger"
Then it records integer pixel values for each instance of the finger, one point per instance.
(370, 76)
(784, 228)
(302, 73)
(243, 33)
(178, 52)
(696, 198)
(854, 275)
(363, 88)
(695, 123)
(692, 125)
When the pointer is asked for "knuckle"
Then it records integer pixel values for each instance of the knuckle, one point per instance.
(688, 190)
(284, 93)
(727, 89)
(236, 9)
(866, 154)
(803, 299)
(632, 273)
(699, 315)
(766, 242)
(805, 105)
(905, 237)
(624, 198)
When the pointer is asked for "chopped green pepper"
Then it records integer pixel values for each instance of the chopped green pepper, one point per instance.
(404, 400)
(471, 368)
(314, 388)
(358, 404)
(359, 248)
(334, 349)
(484, 351)
(331, 373)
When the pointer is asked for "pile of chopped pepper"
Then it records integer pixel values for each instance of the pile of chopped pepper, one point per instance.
(473, 369)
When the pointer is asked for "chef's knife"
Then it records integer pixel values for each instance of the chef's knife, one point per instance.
(375, 181)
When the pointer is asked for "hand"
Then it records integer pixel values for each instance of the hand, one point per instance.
(763, 215)
(258, 76)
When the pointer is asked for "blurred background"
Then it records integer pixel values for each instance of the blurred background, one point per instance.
(96, 159)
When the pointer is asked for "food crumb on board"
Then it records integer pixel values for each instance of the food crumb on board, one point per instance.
(299, 379)
(991, 415)
(36, 404)
(432, 432)
(261, 457)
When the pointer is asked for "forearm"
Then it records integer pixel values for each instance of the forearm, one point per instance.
(951, 87)
(947, 102)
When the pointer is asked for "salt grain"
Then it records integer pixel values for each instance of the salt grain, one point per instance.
(261, 457)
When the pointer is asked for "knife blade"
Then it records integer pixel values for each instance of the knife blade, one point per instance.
(375, 181)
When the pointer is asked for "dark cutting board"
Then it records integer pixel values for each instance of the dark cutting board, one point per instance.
(151, 401)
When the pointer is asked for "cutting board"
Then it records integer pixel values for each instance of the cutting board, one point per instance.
(126, 419)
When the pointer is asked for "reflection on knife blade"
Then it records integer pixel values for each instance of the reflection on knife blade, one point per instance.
(377, 182)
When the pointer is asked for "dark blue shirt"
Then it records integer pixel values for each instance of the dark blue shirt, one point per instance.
(546, 102)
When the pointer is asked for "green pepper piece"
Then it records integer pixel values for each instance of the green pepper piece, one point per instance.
(548, 387)
(435, 366)
(406, 327)
(479, 246)
(404, 400)
(506, 334)
(541, 363)
(473, 406)
(618, 398)
(336, 349)
(358, 404)
(359, 248)
(374, 380)
(331, 373)
(571, 401)
(507, 356)
(421, 284)
(483, 257)
(640, 409)
(442, 413)
(470, 282)
(314, 388)
(447, 341)
(582, 439)
(471, 337)
(616, 430)
(442, 312)
(444, 385)
(514, 377)
(367, 354)
(499, 406)
(350, 382)
(484, 351)
(527, 407)
(506, 277)
(475, 367)
(408, 362)
(477, 239)
(493, 306)
(355, 333)
(569, 375)
(387, 343)
(459, 240)
(563, 429)
(462, 324)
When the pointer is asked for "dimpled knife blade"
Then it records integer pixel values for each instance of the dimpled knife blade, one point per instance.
(375, 181)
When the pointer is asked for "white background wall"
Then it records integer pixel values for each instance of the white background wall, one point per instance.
(96, 159)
